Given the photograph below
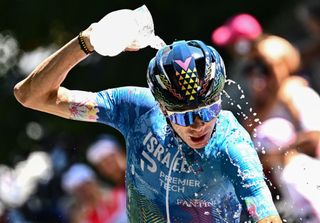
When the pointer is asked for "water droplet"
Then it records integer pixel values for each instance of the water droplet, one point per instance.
(278, 197)
(206, 213)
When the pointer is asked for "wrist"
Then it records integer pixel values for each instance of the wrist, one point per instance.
(84, 41)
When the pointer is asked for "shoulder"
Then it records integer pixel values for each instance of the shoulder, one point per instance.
(227, 121)
(230, 132)
(128, 90)
(132, 95)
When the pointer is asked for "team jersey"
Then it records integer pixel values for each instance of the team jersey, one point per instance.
(167, 181)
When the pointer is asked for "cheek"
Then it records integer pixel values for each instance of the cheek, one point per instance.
(212, 123)
(180, 130)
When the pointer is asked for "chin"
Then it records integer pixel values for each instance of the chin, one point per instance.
(198, 146)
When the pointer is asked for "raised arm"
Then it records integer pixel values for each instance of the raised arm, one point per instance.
(42, 90)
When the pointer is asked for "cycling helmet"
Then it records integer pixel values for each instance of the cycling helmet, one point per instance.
(186, 75)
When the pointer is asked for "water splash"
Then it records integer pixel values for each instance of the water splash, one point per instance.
(157, 43)
(250, 117)
(241, 105)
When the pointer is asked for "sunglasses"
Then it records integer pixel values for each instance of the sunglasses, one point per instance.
(187, 118)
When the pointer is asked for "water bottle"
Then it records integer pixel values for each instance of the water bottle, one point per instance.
(123, 29)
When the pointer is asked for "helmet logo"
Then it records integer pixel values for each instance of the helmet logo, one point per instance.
(184, 65)
(187, 78)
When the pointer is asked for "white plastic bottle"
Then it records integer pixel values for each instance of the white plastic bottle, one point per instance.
(114, 32)
(124, 28)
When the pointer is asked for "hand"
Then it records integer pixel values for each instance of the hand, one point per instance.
(114, 32)
(131, 49)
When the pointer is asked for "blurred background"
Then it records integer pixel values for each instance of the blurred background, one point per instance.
(31, 30)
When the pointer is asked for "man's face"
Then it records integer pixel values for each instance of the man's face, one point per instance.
(195, 126)
(196, 135)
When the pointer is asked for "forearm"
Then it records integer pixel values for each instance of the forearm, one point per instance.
(43, 83)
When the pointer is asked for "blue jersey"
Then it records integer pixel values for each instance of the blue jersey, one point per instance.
(167, 181)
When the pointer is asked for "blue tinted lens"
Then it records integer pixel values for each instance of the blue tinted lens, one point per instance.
(187, 118)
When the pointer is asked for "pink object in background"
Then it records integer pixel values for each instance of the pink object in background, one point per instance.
(275, 133)
(239, 27)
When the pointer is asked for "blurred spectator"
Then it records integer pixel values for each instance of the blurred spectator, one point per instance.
(93, 203)
(275, 89)
(237, 33)
(107, 155)
(277, 92)
(236, 36)
(270, 64)
(309, 14)
(296, 173)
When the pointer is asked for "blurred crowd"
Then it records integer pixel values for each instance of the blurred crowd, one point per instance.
(273, 88)
(75, 192)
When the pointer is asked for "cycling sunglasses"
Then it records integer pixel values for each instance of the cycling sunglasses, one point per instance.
(186, 118)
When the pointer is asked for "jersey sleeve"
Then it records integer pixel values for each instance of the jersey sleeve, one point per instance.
(242, 165)
(121, 107)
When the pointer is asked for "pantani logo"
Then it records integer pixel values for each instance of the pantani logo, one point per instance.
(156, 153)
(196, 203)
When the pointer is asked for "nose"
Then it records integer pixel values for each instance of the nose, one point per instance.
(198, 123)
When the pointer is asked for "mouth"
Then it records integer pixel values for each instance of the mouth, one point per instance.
(198, 139)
